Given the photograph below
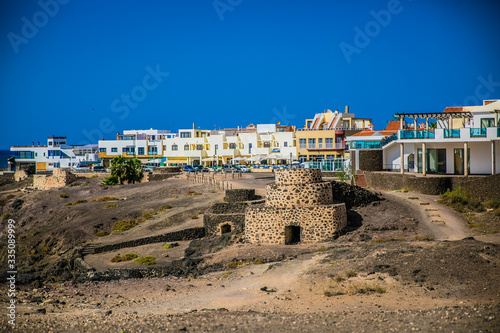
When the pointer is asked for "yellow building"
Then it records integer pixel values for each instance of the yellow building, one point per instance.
(323, 137)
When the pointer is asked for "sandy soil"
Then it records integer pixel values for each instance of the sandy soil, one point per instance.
(377, 277)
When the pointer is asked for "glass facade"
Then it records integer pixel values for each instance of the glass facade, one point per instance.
(435, 160)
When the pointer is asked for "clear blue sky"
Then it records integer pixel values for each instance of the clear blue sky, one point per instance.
(233, 62)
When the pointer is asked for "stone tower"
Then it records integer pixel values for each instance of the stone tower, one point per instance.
(299, 208)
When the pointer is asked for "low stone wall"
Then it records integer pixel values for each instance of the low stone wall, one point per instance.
(371, 160)
(20, 175)
(317, 224)
(217, 224)
(298, 176)
(352, 195)
(59, 178)
(228, 208)
(482, 187)
(170, 169)
(181, 235)
(156, 177)
(85, 272)
(299, 195)
(239, 195)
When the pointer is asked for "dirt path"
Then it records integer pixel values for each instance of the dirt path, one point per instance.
(258, 181)
(442, 222)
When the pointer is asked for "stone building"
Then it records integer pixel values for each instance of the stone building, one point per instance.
(299, 208)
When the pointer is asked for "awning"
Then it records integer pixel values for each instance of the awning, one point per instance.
(208, 159)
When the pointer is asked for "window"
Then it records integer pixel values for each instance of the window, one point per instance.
(312, 144)
(320, 143)
(487, 122)
(285, 144)
(185, 134)
(186, 147)
(102, 150)
(24, 154)
(302, 143)
(216, 147)
(141, 151)
(164, 147)
(50, 143)
(232, 146)
(267, 144)
(249, 148)
(302, 158)
(199, 147)
(114, 150)
(174, 147)
(329, 143)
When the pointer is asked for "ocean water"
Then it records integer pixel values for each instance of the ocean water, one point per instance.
(4, 155)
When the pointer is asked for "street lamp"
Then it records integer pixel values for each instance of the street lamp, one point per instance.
(290, 159)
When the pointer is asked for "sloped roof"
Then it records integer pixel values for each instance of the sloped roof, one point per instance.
(392, 125)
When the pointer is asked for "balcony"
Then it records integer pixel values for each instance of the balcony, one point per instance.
(389, 139)
(478, 132)
(452, 133)
(366, 144)
(420, 134)
(330, 146)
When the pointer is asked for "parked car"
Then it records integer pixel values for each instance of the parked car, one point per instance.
(189, 168)
(99, 168)
(81, 168)
(147, 168)
(244, 168)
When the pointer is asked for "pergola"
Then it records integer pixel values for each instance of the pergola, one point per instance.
(433, 115)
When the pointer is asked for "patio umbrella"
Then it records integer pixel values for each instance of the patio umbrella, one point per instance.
(208, 159)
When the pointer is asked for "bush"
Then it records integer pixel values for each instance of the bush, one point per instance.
(234, 264)
(405, 189)
(170, 245)
(94, 176)
(350, 274)
(322, 249)
(79, 201)
(496, 212)
(365, 289)
(101, 233)
(124, 225)
(194, 217)
(10, 196)
(165, 207)
(147, 260)
(258, 261)
(126, 170)
(126, 257)
(461, 201)
(6, 216)
(110, 205)
(63, 195)
(103, 199)
(110, 180)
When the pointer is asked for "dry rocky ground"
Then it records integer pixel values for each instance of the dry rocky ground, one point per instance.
(392, 270)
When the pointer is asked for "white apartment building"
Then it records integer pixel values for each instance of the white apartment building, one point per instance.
(56, 154)
(471, 129)
(142, 144)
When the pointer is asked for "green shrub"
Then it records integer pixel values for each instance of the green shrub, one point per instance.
(321, 249)
(405, 189)
(365, 289)
(496, 212)
(194, 217)
(126, 257)
(424, 238)
(147, 260)
(79, 201)
(103, 199)
(165, 207)
(461, 201)
(234, 264)
(350, 274)
(258, 261)
(124, 225)
(101, 233)
(493, 203)
(170, 245)
(10, 196)
(6, 216)
(110, 205)
(110, 180)
(63, 195)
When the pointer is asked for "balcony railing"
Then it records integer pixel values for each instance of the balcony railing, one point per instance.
(498, 132)
(366, 144)
(452, 133)
(420, 134)
(130, 152)
(478, 132)
(389, 139)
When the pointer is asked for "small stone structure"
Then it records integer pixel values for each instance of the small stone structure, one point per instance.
(229, 216)
(60, 178)
(20, 175)
(299, 208)
(163, 173)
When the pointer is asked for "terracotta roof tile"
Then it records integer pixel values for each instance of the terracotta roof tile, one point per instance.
(392, 125)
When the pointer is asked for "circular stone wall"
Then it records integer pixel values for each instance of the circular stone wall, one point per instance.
(297, 176)
(299, 195)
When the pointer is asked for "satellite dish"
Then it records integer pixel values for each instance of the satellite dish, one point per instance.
(278, 122)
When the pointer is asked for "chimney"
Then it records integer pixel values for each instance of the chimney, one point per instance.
(347, 109)
(117, 135)
(38, 143)
(193, 125)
